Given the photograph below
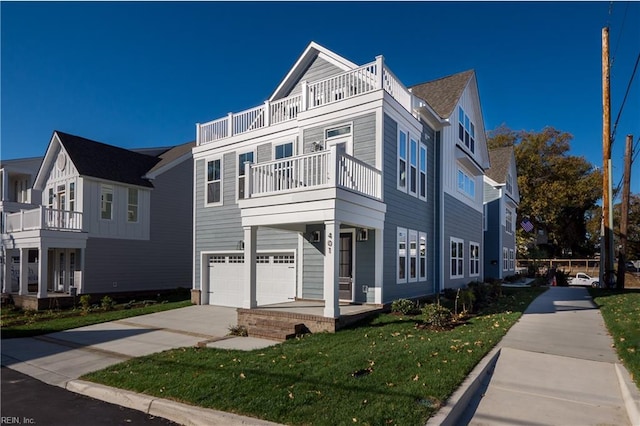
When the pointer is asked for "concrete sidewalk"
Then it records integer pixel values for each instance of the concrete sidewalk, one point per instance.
(556, 366)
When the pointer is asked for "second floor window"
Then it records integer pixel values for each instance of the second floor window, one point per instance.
(402, 161)
(466, 130)
(106, 202)
(466, 184)
(214, 181)
(509, 184)
(132, 205)
(72, 196)
(508, 221)
(245, 157)
(283, 151)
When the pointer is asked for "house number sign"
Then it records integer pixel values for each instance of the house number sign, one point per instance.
(329, 242)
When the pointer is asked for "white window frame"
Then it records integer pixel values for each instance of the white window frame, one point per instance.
(412, 266)
(401, 256)
(509, 183)
(456, 260)
(276, 146)
(104, 191)
(512, 260)
(207, 182)
(135, 205)
(422, 171)
(508, 220)
(468, 185)
(345, 139)
(413, 181)
(402, 181)
(467, 128)
(422, 250)
(240, 171)
(505, 259)
(72, 196)
(474, 259)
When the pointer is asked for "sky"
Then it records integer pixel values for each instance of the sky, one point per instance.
(142, 74)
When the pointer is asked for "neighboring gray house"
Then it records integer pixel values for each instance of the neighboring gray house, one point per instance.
(501, 200)
(110, 220)
(343, 187)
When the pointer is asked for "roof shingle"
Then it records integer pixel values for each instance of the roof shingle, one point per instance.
(443, 94)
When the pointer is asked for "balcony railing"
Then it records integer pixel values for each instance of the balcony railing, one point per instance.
(324, 169)
(365, 79)
(43, 218)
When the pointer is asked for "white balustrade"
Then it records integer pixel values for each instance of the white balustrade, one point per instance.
(316, 170)
(43, 218)
(364, 79)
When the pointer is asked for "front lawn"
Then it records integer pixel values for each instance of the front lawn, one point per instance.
(382, 371)
(621, 313)
(24, 323)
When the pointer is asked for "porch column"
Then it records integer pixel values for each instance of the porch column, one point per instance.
(80, 283)
(250, 237)
(6, 270)
(43, 271)
(331, 268)
(24, 272)
(379, 261)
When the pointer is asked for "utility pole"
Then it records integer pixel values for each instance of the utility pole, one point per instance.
(607, 236)
(624, 211)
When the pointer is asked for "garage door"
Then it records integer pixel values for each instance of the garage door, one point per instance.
(275, 278)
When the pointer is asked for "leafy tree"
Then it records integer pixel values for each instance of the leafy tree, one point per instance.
(557, 190)
(633, 227)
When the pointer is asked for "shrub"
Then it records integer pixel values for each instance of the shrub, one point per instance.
(403, 306)
(467, 297)
(85, 302)
(107, 303)
(238, 330)
(437, 315)
(450, 293)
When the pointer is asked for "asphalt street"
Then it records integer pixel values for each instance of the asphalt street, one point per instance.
(26, 401)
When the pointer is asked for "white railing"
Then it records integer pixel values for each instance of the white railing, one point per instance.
(43, 218)
(365, 79)
(311, 171)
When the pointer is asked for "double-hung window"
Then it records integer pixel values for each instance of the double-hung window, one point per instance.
(509, 183)
(402, 255)
(474, 259)
(245, 157)
(505, 259)
(457, 258)
(132, 205)
(72, 196)
(214, 181)
(283, 169)
(512, 260)
(466, 130)
(508, 217)
(423, 255)
(413, 167)
(402, 161)
(413, 256)
(423, 172)
(106, 202)
(283, 150)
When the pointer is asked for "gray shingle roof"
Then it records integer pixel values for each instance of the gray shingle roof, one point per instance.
(102, 161)
(443, 94)
(500, 159)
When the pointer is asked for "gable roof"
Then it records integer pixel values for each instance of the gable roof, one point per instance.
(500, 159)
(171, 156)
(443, 94)
(102, 161)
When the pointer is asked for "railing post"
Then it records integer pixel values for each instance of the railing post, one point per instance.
(267, 113)
(198, 142)
(305, 96)
(230, 124)
(379, 71)
(332, 167)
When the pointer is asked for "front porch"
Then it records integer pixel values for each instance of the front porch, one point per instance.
(285, 320)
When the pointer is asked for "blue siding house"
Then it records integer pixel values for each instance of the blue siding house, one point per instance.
(343, 187)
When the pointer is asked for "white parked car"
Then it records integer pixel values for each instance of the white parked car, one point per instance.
(585, 280)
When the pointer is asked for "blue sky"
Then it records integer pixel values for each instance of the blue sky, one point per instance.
(142, 74)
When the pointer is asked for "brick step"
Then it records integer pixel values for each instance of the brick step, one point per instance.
(270, 334)
(273, 323)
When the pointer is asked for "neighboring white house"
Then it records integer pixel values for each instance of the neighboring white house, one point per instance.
(101, 219)
(501, 200)
(344, 186)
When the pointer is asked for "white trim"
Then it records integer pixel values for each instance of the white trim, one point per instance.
(206, 180)
(410, 166)
(399, 158)
(459, 258)
(422, 147)
(401, 237)
(351, 231)
(413, 254)
(284, 141)
(505, 259)
(421, 256)
(471, 259)
(238, 165)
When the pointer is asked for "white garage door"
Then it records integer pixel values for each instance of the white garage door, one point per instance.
(275, 278)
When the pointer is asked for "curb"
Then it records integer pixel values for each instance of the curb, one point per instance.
(630, 394)
(458, 403)
(183, 414)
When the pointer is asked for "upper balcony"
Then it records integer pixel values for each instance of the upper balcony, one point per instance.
(365, 79)
(43, 218)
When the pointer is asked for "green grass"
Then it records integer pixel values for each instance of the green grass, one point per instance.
(381, 371)
(621, 313)
(18, 323)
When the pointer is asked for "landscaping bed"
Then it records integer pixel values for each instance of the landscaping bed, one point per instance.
(387, 369)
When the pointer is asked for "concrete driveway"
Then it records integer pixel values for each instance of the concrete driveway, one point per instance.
(57, 358)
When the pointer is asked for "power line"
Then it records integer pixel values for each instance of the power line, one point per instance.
(633, 74)
(624, 18)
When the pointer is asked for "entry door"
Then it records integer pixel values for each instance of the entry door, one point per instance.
(346, 266)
